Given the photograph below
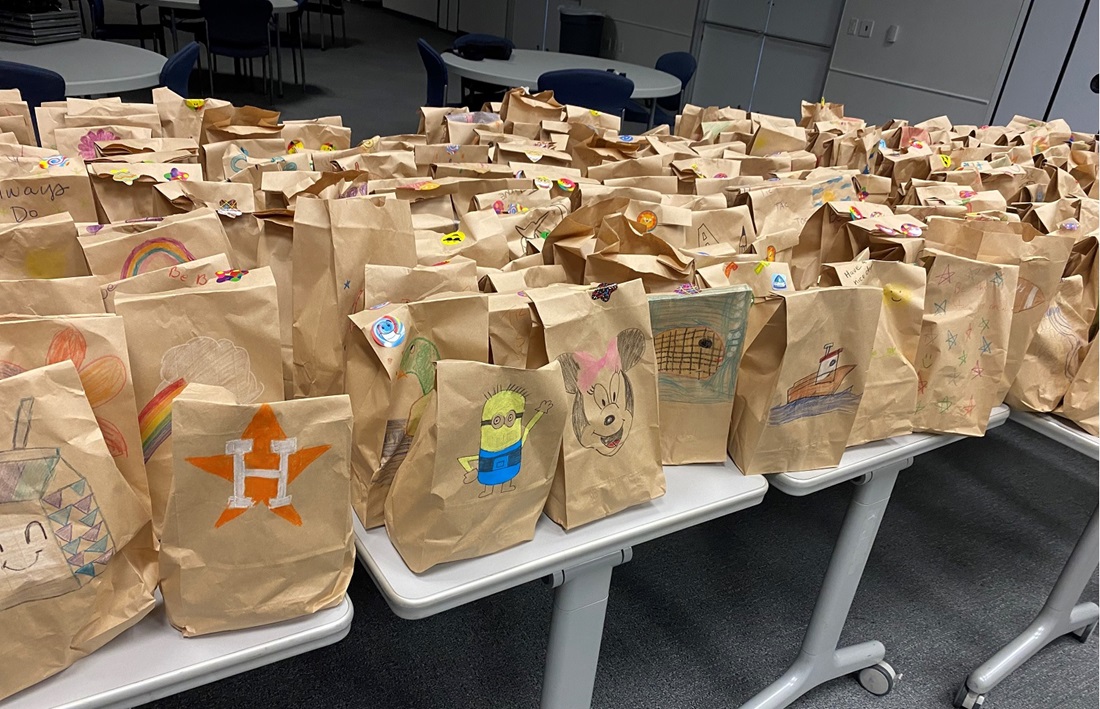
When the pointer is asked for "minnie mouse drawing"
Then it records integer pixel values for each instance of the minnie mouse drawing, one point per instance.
(603, 400)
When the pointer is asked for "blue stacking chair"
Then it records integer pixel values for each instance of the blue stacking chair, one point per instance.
(240, 29)
(436, 72)
(176, 73)
(681, 65)
(36, 85)
(603, 91)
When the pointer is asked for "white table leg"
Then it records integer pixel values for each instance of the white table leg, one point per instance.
(1061, 615)
(576, 629)
(820, 660)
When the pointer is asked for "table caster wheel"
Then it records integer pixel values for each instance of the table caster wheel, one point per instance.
(1085, 633)
(878, 679)
(966, 699)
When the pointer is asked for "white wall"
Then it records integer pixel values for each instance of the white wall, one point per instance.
(949, 58)
(640, 31)
(1075, 100)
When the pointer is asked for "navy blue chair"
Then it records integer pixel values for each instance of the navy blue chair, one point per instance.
(598, 90)
(436, 72)
(36, 85)
(475, 93)
(681, 65)
(176, 73)
(102, 29)
(240, 29)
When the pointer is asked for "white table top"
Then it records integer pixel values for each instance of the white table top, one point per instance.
(91, 66)
(1059, 430)
(695, 494)
(279, 7)
(525, 66)
(152, 660)
(860, 460)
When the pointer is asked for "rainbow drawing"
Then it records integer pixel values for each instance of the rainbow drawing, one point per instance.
(152, 254)
(155, 420)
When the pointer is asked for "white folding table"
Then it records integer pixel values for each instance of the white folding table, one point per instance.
(91, 66)
(1061, 614)
(579, 562)
(152, 660)
(874, 468)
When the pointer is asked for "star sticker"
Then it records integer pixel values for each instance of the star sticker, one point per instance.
(941, 308)
(997, 280)
(261, 465)
(945, 275)
(987, 346)
(944, 404)
(962, 358)
(976, 370)
(969, 408)
(347, 285)
(922, 384)
(952, 340)
(983, 323)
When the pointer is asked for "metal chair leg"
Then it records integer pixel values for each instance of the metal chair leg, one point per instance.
(212, 64)
(344, 27)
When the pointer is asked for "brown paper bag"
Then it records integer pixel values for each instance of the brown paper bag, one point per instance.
(1081, 404)
(475, 486)
(226, 562)
(221, 334)
(802, 379)
(603, 340)
(333, 241)
(82, 141)
(400, 284)
(698, 337)
(39, 187)
(51, 296)
(890, 390)
(126, 190)
(41, 248)
(963, 343)
(189, 274)
(391, 372)
(511, 328)
(66, 511)
(624, 251)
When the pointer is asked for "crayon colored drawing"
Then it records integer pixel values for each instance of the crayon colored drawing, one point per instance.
(418, 365)
(603, 398)
(159, 252)
(698, 341)
(819, 392)
(201, 360)
(103, 379)
(503, 435)
(261, 464)
(53, 538)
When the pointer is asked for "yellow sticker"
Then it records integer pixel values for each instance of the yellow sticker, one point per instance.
(760, 267)
(648, 219)
(946, 160)
(195, 104)
(453, 239)
(426, 186)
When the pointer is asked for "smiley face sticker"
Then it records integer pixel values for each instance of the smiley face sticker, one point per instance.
(387, 331)
(648, 220)
(894, 294)
(453, 239)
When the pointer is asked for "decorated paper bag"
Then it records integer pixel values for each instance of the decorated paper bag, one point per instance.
(96, 345)
(611, 451)
(401, 284)
(41, 248)
(77, 558)
(823, 239)
(478, 474)
(333, 241)
(15, 117)
(234, 203)
(39, 187)
(1081, 404)
(112, 257)
(391, 359)
(221, 334)
(886, 237)
(625, 251)
(963, 343)
(802, 379)
(126, 190)
(51, 296)
(890, 390)
(698, 337)
(258, 525)
(510, 329)
(185, 275)
(82, 141)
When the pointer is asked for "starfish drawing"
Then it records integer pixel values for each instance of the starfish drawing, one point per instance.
(944, 404)
(983, 323)
(997, 280)
(261, 464)
(976, 370)
(987, 346)
(941, 308)
(945, 275)
(969, 408)
(962, 358)
(952, 340)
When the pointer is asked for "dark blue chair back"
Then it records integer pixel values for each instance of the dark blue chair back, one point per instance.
(436, 71)
(681, 65)
(237, 23)
(599, 90)
(36, 85)
(96, 7)
(176, 73)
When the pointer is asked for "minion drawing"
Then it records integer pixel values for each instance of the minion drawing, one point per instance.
(502, 437)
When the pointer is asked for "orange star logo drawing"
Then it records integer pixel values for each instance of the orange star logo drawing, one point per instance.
(261, 464)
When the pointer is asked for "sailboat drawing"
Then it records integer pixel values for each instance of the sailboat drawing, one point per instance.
(819, 392)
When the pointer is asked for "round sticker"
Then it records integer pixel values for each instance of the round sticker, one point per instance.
(233, 275)
(533, 156)
(567, 184)
(1069, 225)
(544, 183)
(421, 186)
(626, 138)
(779, 282)
(966, 194)
(388, 331)
(648, 219)
(327, 148)
(854, 213)
(453, 239)
(379, 306)
(498, 207)
(886, 230)
(720, 175)
(686, 289)
(195, 104)
(910, 229)
(53, 161)
(294, 146)
(770, 254)
(946, 160)
(452, 149)
(594, 112)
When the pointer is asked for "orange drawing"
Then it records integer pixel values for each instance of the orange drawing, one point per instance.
(261, 464)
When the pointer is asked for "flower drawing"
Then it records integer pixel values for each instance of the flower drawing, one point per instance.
(87, 143)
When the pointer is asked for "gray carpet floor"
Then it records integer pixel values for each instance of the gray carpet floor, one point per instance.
(971, 543)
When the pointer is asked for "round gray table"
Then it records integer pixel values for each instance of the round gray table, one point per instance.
(91, 66)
